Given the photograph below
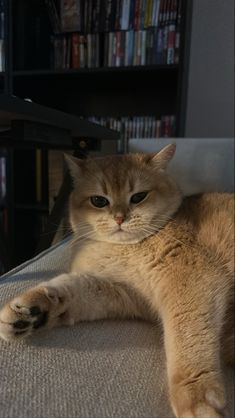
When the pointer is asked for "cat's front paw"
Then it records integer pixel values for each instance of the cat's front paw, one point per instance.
(198, 397)
(36, 308)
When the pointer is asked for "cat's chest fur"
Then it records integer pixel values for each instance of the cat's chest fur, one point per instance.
(106, 259)
(130, 262)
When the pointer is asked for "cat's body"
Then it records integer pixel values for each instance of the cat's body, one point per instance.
(141, 250)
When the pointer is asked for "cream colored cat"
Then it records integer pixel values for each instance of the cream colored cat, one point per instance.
(141, 250)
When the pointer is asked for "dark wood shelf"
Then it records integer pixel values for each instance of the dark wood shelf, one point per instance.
(12, 107)
(100, 70)
(37, 207)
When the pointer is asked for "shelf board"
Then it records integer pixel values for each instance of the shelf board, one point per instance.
(101, 70)
(13, 108)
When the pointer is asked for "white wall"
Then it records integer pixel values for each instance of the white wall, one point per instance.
(210, 95)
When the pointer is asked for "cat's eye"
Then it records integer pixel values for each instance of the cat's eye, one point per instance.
(99, 201)
(138, 197)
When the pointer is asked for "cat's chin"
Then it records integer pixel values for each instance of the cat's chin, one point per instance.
(122, 237)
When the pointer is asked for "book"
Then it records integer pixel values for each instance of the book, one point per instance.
(75, 50)
(177, 34)
(70, 12)
(2, 55)
(3, 187)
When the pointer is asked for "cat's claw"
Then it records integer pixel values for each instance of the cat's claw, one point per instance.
(36, 308)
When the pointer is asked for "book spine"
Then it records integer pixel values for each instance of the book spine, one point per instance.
(114, 51)
(158, 128)
(132, 14)
(165, 43)
(89, 51)
(110, 48)
(143, 48)
(89, 16)
(171, 44)
(122, 50)
(64, 51)
(136, 14)
(150, 13)
(125, 14)
(131, 48)
(161, 12)
(142, 13)
(118, 13)
(177, 35)
(2, 55)
(75, 50)
(3, 188)
(70, 15)
(139, 46)
(38, 176)
(118, 49)
(82, 49)
(68, 53)
(127, 35)
(151, 46)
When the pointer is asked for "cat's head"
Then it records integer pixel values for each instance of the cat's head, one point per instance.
(122, 198)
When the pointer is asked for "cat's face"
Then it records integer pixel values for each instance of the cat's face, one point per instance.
(122, 199)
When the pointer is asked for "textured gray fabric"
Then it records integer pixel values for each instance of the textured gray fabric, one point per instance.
(101, 369)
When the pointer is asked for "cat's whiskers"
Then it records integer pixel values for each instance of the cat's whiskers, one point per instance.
(79, 238)
(179, 241)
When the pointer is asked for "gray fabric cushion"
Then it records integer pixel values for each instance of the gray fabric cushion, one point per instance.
(98, 369)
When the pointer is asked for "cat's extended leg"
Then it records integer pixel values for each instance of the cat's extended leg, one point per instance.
(64, 300)
(192, 343)
(228, 334)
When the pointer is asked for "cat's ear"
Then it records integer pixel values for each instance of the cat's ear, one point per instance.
(163, 157)
(74, 165)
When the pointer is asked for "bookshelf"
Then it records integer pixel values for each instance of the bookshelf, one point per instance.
(103, 92)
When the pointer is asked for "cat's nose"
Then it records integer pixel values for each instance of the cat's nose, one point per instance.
(119, 219)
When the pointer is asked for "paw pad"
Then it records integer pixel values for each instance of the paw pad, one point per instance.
(21, 324)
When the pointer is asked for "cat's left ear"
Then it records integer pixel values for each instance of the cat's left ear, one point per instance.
(74, 165)
(163, 157)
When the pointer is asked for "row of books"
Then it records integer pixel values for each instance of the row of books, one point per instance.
(2, 30)
(139, 126)
(91, 16)
(158, 46)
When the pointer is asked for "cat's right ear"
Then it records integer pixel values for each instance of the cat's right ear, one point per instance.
(163, 157)
(74, 165)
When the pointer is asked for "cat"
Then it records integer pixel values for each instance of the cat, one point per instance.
(143, 250)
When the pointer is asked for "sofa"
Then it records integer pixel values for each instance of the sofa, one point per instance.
(101, 369)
